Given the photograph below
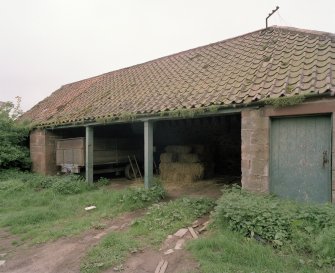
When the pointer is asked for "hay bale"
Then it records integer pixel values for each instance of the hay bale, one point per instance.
(168, 157)
(178, 149)
(181, 172)
(188, 158)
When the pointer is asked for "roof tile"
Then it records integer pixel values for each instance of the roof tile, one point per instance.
(271, 62)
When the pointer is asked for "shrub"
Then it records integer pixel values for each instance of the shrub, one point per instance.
(253, 215)
(309, 228)
(65, 184)
(164, 216)
(70, 184)
(103, 181)
(13, 138)
(140, 195)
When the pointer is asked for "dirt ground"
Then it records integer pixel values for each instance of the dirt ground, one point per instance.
(65, 254)
(172, 251)
(209, 188)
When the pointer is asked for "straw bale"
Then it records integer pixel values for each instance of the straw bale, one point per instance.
(188, 158)
(181, 172)
(178, 149)
(168, 157)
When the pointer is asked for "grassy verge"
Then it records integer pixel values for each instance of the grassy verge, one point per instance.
(39, 208)
(161, 220)
(257, 233)
(224, 251)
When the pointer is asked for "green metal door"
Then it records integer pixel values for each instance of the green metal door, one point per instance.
(300, 158)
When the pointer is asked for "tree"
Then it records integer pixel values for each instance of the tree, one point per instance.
(13, 137)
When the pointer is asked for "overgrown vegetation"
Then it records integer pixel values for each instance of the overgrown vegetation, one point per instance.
(164, 218)
(13, 137)
(249, 233)
(225, 251)
(41, 208)
(161, 220)
(307, 230)
(192, 112)
(285, 101)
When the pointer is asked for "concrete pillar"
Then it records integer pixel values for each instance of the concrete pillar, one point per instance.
(148, 154)
(89, 154)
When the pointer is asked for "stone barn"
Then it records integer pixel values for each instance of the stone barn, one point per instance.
(263, 102)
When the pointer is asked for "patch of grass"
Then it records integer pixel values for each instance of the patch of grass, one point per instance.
(110, 252)
(165, 218)
(40, 208)
(301, 229)
(226, 251)
(161, 220)
(103, 181)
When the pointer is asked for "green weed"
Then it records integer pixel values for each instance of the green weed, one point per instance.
(224, 251)
(110, 252)
(161, 220)
(40, 208)
(164, 218)
(70, 184)
(307, 229)
(103, 181)
(285, 101)
(141, 195)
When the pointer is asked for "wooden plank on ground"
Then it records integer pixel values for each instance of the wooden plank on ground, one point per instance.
(159, 266)
(195, 224)
(164, 267)
(181, 232)
(194, 235)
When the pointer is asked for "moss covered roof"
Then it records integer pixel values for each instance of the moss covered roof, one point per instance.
(268, 63)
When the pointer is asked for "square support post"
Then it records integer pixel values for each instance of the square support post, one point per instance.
(89, 155)
(148, 154)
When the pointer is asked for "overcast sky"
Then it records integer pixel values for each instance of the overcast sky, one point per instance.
(45, 44)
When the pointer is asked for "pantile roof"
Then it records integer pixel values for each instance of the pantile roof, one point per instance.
(268, 63)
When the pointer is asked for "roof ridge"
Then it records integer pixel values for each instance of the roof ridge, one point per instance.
(306, 31)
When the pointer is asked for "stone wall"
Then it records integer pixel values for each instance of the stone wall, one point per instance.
(333, 159)
(43, 151)
(255, 151)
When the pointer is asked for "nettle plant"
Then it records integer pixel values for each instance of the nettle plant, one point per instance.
(307, 228)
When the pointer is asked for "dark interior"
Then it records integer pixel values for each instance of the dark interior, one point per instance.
(221, 135)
